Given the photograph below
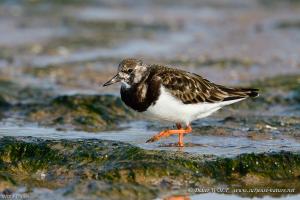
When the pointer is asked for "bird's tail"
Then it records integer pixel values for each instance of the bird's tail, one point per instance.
(239, 93)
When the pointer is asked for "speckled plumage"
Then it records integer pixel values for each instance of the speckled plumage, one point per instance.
(142, 86)
(173, 94)
(191, 88)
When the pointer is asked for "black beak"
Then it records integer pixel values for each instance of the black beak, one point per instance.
(114, 79)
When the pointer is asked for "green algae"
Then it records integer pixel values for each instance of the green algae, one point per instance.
(82, 112)
(276, 166)
(56, 2)
(42, 72)
(206, 62)
(288, 25)
(280, 82)
(282, 90)
(104, 33)
(26, 157)
(272, 3)
(3, 103)
(122, 169)
(13, 93)
(123, 25)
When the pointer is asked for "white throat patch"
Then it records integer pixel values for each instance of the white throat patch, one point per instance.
(126, 85)
(138, 74)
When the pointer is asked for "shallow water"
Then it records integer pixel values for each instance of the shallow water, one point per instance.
(43, 193)
(137, 134)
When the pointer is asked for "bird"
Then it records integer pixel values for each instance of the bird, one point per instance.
(172, 94)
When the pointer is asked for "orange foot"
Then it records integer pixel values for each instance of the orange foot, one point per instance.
(180, 131)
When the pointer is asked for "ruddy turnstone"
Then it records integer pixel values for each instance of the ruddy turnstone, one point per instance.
(173, 94)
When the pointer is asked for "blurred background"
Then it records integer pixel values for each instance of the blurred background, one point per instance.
(55, 56)
(73, 46)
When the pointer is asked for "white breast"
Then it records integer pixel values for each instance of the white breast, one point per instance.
(169, 108)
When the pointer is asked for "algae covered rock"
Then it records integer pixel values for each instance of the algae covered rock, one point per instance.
(208, 62)
(281, 90)
(3, 102)
(82, 112)
(14, 93)
(111, 170)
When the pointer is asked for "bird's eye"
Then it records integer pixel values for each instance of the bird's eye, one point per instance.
(129, 70)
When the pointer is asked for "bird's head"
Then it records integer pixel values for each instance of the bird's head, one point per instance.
(130, 71)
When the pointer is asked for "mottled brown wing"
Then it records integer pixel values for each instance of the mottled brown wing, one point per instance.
(191, 88)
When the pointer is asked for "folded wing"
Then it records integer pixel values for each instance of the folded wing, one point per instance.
(191, 88)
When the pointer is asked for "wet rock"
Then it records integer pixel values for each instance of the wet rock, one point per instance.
(82, 112)
(6, 182)
(65, 2)
(288, 24)
(259, 135)
(3, 102)
(7, 192)
(124, 25)
(260, 127)
(217, 131)
(278, 3)
(94, 189)
(207, 62)
(66, 75)
(12, 93)
(111, 170)
(282, 90)
(119, 169)
(280, 82)
(8, 92)
(94, 32)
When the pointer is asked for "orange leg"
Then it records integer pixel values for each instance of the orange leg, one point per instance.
(180, 131)
(180, 135)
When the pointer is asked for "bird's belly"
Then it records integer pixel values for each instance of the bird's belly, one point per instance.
(169, 108)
